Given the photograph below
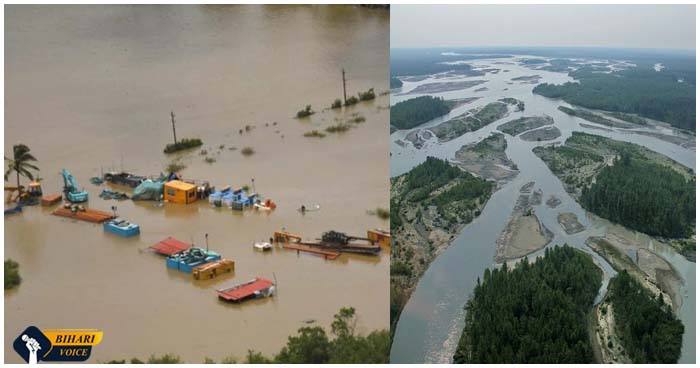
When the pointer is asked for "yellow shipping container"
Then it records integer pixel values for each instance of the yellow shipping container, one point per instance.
(177, 191)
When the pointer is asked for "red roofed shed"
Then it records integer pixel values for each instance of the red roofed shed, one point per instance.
(169, 246)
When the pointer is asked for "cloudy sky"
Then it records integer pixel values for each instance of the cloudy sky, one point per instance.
(635, 26)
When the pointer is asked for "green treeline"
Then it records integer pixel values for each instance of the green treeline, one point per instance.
(534, 313)
(648, 329)
(652, 94)
(395, 83)
(435, 173)
(312, 345)
(405, 62)
(643, 196)
(394, 217)
(416, 111)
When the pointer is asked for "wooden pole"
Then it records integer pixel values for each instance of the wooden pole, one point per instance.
(345, 97)
(172, 119)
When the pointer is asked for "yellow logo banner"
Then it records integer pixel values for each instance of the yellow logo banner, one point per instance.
(73, 337)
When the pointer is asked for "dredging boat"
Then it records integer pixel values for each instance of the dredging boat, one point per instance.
(256, 288)
(190, 258)
(342, 242)
(121, 227)
(331, 241)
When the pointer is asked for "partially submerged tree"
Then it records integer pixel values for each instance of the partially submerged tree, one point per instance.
(305, 112)
(12, 277)
(21, 164)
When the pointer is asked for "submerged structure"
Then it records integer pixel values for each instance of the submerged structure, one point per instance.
(213, 269)
(148, 190)
(70, 188)
(190, 258)
(121, 227)
(124, 178)
(256, 288)
(169, 246)
(237, 199)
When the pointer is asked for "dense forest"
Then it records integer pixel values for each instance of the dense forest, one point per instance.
(421, 183)
(534, 313)
(652, 94)
(643, 196)
(405, 62)
(648, 329)
(435, 173)
(395, 83)
(416, 111)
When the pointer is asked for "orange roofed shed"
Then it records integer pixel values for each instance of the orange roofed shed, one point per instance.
(177, 191)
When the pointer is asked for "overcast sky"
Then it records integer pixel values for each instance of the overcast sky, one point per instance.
(635, 26)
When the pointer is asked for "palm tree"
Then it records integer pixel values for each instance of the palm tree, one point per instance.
(20, 163)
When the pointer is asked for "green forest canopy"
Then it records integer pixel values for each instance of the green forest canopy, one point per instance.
(644, 196)
(416, 111)
(648, 329)
(534, 313)
(652, 94)
(454, 204)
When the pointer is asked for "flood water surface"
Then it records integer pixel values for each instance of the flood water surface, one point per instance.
(90, 88)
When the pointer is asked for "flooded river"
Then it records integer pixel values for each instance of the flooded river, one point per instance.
(436, 308)
(89, 88)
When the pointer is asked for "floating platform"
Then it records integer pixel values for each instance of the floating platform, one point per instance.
(328, 254)
(355, 247)
(51, 199)
(255, 288)
(87, 214)
(169, 246)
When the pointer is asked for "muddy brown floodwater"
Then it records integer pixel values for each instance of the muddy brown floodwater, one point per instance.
(91, 87)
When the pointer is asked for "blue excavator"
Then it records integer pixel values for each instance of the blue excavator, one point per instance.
(70, 188)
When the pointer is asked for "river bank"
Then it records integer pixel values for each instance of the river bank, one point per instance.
(436, 306)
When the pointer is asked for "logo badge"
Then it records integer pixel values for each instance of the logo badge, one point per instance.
(35, 345)
(31, 345)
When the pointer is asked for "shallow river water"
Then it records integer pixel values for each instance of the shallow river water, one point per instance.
(90, 88)
(432, 321)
